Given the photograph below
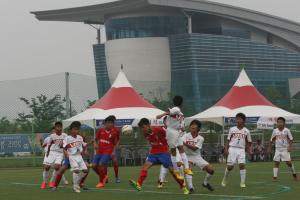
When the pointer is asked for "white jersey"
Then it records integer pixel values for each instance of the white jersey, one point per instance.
(259, 147)
(281, 137)
(46, 144)
(55, 140)
(238, 138)
(74, 145)
(194, 141)
(175, 120)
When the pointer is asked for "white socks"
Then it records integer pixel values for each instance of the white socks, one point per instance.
(226, 173)
(185, 160)
(174, 162)
(275, 170)
(292, 169)
(207, 178)
(189, 180)
(262, 157)
(75, 180)
(45, 176)
(63, 178)
(181, 170)
(81, 175)
(254, 156)
(53, 176)
(243, 175)
(163, 172)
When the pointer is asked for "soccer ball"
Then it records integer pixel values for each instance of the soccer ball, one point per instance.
(127, 130)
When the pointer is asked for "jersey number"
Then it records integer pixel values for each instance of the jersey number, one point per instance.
(239, 140)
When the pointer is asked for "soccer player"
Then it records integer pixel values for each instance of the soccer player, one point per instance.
(159, 153)
(252, 152)
(175, 124)
(107, 142)
(192, 144)
(281, 135)
(45, 147)
(73, 146)
(115, 158)
(55, 153)
(260, 149)
(238, 138)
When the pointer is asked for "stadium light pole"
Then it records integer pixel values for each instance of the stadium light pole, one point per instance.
(67, 96)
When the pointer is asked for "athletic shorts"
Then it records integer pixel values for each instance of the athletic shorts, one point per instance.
(54, 158)
(101, 158)
(174, 138)
(116, 154)
(77, 162)
(67, 162)
(45, 160)
(160, 158)
(178, 156)
(198, 161)
(282, 154)
(236, 156)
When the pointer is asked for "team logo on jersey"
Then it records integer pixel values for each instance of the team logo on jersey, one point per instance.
(245, 132)
(109, 135)
(156, 136)
(285, 132)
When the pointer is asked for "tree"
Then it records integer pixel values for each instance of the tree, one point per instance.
(273, 95)
(216, 100)
(90, 103)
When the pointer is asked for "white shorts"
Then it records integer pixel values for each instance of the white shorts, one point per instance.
(174, 138)
(251, 152)
(45, 161)
(198, 161)
(54, 158)
(76, 162)
(236, 156)
(282, 154)
(178, 157)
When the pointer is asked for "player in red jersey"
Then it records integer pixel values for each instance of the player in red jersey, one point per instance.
(160, 153)
(107, 142)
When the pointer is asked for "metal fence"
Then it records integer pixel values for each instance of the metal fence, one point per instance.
(30, 107)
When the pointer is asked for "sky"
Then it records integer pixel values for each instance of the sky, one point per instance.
(32, 48)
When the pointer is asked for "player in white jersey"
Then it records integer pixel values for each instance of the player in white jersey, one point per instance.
(192, 144)
(252, 152)
(260, 150)
(238, 139)
(175, 124)
(283, 143)
(55, 153)
(73, 146)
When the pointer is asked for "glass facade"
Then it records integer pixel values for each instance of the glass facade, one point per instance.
(225, 32)
(149, 26)
(101, 69)
(204, 66)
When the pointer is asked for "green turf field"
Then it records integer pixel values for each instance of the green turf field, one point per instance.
(25, 184)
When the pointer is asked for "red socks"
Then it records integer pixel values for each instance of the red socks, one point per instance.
(105, 170)
(116, 167)
(82, 180)
(180, 182)
(142, 177)
(102, 174)
(57, 180)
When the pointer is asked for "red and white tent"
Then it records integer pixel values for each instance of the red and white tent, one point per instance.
(243, 97)
(122, 101)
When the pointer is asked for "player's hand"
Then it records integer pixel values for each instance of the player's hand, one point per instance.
(289, 149)
(158, 116)
(95, 147)
(269, 151)
(86, 153)
(248, 156)
(92, 140)
(169, 152)
(226, 153)
(61, 143)
(47, 154)
(183, 129)
(112, 155)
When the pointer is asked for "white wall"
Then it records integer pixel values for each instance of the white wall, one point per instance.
(282, 43)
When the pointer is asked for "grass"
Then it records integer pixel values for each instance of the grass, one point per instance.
(25, 184)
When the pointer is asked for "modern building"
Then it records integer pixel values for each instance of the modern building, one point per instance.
(190, 47)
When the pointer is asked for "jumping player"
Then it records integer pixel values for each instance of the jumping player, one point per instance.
(175, 124)
(238, 138)
(159, 153)
(260, 149)
(192, 144)
(107, 142)
(55, 153)
(281, 135)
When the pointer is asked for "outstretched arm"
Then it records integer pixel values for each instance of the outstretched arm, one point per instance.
(162, 115)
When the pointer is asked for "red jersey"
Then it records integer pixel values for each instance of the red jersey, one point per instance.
(117, 132)
(107, 140)
(157, 140)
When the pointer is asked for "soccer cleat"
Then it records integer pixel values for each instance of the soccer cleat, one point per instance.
(178, 175)
(135, 185)
(192, 191)
(275, 179)
(101, 184)
(118, 180)
(51, 184)
(76, 189)
(160, 185)
(188, 171)
(185, 191)
(83, 187)
(165, 181)
(208, 186)
(44, 185)
(295, 177)
(66, 182)
(54, 189)
(183, 182)
(242, 185)
(224, 181)
(105, 179)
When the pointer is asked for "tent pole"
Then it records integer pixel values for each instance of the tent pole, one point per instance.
(263, 137)
(94, 135)
(223, 124)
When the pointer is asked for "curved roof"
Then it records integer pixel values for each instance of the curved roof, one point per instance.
(95, 14)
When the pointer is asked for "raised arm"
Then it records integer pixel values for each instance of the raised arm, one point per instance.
(162, 115)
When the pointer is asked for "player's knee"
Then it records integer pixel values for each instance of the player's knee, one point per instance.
(178, 164)
(94, 166)
(289, 163)
(85, 171)
(76, 171)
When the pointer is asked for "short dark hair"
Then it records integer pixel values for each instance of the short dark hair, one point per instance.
(177, 100)
(197, 122)
(112, 116)
(57, 123)
(241, 115)
(75, 124)
(258, 140)
(165, 118)
(143, 121)
(109, 119)
(281, 118)
(53, 128)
